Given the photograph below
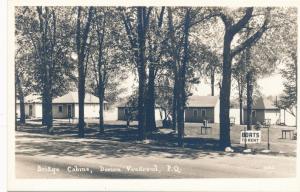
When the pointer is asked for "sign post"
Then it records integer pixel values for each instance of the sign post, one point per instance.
(245, 129)
(268, 137)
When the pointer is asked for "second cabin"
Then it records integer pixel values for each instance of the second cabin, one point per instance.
(200, 108)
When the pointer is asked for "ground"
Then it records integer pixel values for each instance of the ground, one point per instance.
(117, 153)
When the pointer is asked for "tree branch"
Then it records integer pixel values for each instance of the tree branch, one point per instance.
(253, 39)
(242, 22)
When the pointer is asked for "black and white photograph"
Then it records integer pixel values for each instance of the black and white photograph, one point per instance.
(143, 92)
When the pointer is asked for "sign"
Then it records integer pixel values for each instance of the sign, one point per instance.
(250, 137)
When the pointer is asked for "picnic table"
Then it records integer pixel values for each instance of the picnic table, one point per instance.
(206, 128)
(289, 131)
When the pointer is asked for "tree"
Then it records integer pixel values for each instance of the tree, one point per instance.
(82, 50)
(155, 49)
(22, 70)
(182, 77)
(239, 74)
(100, 67)
(45, 34)
(288, 99)
(106, 57)
(22, 76)
(136, 22)
(212, 67)
(231, 29)
(164, 92)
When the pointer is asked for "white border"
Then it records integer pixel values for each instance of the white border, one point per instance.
(280, 184)
(3, 65)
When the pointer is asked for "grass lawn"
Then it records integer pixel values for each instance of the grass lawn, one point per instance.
(116, 130)
(277, 144)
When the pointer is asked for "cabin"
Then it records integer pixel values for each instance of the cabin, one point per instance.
(124, 109)
(200, 108)
(263, 108)
(63, 107)
(33, 106)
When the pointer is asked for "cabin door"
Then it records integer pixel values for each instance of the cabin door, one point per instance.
(69, 111)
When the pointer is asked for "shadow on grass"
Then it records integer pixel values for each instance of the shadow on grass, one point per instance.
(117, 141)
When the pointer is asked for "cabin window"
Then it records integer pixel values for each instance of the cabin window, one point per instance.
(60, 108)
(253, 113)
(126, 112)
(195, 113)
(203, 113)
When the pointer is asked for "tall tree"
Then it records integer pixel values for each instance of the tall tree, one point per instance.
(154, 57)
(231, 29)
(174, 52)
(82, 49)
(22, 75)
(239, 74)
(100, 67)
(45, 34)
(182, 77)
(136, 22)
(106, 57)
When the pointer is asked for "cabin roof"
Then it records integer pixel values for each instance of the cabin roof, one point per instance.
(202, 101)
(71, 97)
(263, 103)
(32, 98)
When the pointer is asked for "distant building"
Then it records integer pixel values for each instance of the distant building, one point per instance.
(125, 108)
(201, 108)
(33, 106)
(65, 106)
(263, 108)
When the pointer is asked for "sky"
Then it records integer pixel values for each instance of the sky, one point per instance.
(271, 85)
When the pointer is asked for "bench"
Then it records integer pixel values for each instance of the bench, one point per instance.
(289, 131)
(206, 128)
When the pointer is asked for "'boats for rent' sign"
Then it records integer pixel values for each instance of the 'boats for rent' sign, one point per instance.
(250, 136)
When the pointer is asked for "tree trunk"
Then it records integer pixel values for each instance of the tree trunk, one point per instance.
(49, 115)
(180, 112)
(141, 72)
(150, 105)
(81, 96)
(44, 106)
(225, 94)
(48, 97)
(182, 79)
(101, 108)
(249, 79)
(241, 109)
(81, 48)
(22, 110)
(174, 106)
(212, 82)
(21, 98)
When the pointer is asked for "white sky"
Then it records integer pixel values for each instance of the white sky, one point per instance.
(272, 85)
